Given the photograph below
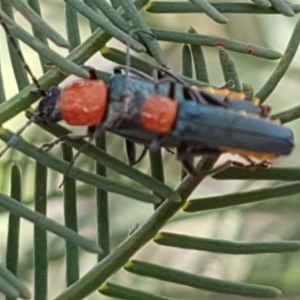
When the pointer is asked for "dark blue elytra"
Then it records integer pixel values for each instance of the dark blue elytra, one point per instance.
(223, 128)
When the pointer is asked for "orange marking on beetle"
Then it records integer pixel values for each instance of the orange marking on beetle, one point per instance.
(159, 114)
(83, 102)
(246, 153)
(237, 95)
(255, 101)
(222, 92)
(207, 89)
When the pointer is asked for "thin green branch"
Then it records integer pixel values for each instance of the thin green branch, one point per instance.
(169, 7)
(212, 41)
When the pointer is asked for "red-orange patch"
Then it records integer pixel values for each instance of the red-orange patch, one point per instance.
(83, 102)
(159, 114)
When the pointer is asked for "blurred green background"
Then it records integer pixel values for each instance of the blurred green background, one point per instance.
(273, 220)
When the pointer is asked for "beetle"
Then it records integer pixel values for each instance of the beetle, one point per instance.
(143, 110)
(152, 117)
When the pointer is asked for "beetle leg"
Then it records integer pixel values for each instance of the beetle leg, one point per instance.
(130, 151)
(227, 85)
(142, 155)
(156, 143)
(188, 166)
(119, 69)
(71, 136)
(252, 164)
(184, 151)
(214, 99)
(170, 150)
(185, 155)
(162, 71)
(92, 71)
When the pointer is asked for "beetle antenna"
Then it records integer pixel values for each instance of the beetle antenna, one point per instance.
(92, 136)
(128, 58)
(71, 164)
(4, 21)
(17, 134)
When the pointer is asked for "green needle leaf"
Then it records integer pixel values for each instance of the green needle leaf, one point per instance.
(229, 70)
(182, 7)
(121, 292)
(283, 7)
(12, 251)
(283, 65)
(40, 234)
(262, 3)
(47, 224)
(241, 198)
(200, 282)
(39, 24)
(104, 24)
(211, 41)
(292, 174)
(13, 284)
(210, 10)
(223, 246)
